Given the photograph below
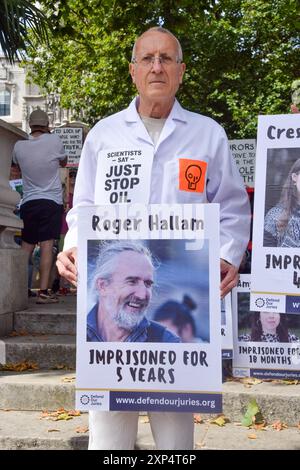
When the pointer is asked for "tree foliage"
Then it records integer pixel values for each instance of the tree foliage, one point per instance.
(20, 19)
(241, 55)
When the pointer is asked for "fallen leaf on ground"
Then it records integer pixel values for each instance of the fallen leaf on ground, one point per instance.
(232, 379)
(260, 426)
(144, 419)
(81, 429)
(285, 381)
(53, 430)
(197, 419)
(61, 367)
(251, 381)
(18, 333)
(220, 420)
(19, 366)
(63, 417)
(252, 415)
(74, 413)
(278, 425)
(60, 415)
(68, 379)
(252, 436)
(290, 382)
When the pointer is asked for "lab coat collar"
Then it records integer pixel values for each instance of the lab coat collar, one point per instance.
(132, 116)
(177, 112)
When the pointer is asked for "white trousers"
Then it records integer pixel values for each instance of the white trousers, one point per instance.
(117, 430)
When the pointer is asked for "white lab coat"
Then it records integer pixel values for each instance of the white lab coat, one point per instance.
(185, 135)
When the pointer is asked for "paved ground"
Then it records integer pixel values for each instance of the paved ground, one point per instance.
(47, 336)
(31, 431)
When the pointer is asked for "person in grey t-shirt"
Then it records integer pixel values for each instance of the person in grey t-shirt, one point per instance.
(39, 159)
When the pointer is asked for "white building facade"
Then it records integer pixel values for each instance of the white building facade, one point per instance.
(18, 98)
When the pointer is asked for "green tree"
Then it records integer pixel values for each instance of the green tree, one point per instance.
(241, 55)
(18, 19)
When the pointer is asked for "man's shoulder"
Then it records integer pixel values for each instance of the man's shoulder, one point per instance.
(108, 121)
(159, 333)
(194, 117)
(22, 146)
(42, 138)
(52, 138)
(19, 143)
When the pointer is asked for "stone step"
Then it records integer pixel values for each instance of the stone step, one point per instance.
(47, 351)
(48, 318)
(232, 436)
(27, 430)
(45, 323)
(37, 390)
(50, 390)
(276, 400)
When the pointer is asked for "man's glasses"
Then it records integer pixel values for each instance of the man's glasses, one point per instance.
(149, 60)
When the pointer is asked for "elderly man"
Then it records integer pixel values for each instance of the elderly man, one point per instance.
(191, 163)
(123, 280)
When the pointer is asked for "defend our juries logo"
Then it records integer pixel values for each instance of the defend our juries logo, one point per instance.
(192, 175)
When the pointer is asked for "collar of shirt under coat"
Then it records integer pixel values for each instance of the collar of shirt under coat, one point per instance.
(132, 117)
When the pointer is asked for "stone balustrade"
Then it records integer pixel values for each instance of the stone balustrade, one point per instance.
(13, 261)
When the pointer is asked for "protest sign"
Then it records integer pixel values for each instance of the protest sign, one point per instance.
(276, 228)
(17, 185)
(243, 152)
(266, 344)
(134, 260)
(123, 175)
(226, 327)
(72, 141)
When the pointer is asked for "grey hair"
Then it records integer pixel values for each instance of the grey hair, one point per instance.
(159, 29)
(106, 263)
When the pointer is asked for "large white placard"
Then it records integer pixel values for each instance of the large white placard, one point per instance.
(276, 223)
(266, 344)
(143, 371)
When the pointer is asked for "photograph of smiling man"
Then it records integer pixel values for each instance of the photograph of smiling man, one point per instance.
(123, 283)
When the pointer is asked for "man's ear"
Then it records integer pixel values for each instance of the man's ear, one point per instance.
(294, 177)
(132, 72)
(182, 71)
(101, 285)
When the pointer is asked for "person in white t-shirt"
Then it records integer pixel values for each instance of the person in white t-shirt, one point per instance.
(39, 159)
